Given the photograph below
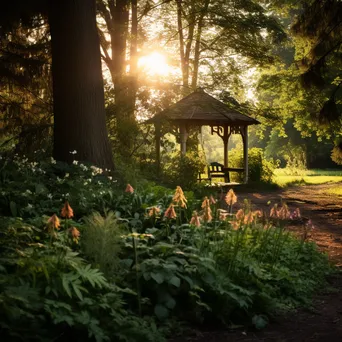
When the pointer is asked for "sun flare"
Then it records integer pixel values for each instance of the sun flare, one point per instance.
(154, 64)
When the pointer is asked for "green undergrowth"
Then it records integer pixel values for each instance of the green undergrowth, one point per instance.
(136, 265)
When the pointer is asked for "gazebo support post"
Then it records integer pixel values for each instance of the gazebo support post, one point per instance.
(183, 138)
(244, 134)
(225, 138)
(157, 128)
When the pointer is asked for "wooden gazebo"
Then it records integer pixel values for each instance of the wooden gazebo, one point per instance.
(201, 109)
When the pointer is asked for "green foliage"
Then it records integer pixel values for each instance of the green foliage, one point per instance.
(47, 288)
(102, 242)
(183, 170)
(226, 270)
(35, 188)
(336, 154)
(260, 169)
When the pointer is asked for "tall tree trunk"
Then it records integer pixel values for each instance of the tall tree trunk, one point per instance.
(133, 72)
(181, 41)
(198, 45)
(78, 96)
(188, 45)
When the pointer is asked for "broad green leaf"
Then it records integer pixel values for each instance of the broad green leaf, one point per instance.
(175, 281)
(158, 277)
(171, 303)
(161, 312)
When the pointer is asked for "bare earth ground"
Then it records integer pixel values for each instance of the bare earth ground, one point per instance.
(323, 322)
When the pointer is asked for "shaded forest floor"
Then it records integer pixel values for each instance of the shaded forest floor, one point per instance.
(323, 321)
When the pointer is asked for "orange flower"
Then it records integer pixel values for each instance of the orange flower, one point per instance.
(153, 212)
(206, 210)
(67, 211)
(230, 197)
(195, 220)
(257, 213)
(284, 212)
(248, 218)
(75, 234)
(205, 202)
(179, 197)
(274, 211)
(129, 189)
(240, 215)
(235, 225)
(170, 212)
(53, 222)
(212, 199)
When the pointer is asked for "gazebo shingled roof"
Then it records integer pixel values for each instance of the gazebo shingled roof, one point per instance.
(202, 109)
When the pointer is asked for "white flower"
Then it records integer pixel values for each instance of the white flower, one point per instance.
(66, 195)
(29, 206)
(85, 183)
(28, 192)
(73, 152)
(75, 162)
(66, 175)
(49, 196)
(53, 161)
(110, 177)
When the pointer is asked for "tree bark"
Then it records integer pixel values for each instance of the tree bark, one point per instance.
(197, 53)
(78, 95)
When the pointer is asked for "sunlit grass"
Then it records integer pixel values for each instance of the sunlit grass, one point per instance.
(284, 177)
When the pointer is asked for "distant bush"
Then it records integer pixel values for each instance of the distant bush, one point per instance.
(336, 154)
(183, 170)
(260, 169)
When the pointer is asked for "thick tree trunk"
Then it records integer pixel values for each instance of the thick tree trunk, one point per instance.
(78, 96)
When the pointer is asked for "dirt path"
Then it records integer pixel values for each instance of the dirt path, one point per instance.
(323, 322)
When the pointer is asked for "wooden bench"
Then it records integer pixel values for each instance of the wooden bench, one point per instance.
(217, 170)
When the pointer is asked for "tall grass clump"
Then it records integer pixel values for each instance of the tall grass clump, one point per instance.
(102, 241)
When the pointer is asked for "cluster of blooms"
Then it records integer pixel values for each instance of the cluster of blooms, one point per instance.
(246, 218)
(177, 200)
(54, 223)
(284, 213)
(96, 170)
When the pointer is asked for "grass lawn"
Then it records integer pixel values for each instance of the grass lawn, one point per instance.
(284, 177)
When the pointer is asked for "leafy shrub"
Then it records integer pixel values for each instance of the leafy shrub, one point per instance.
(183, 170)
(336, 154)
(259, 168)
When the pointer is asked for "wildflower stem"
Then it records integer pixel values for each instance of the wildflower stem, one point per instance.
(136, 272)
